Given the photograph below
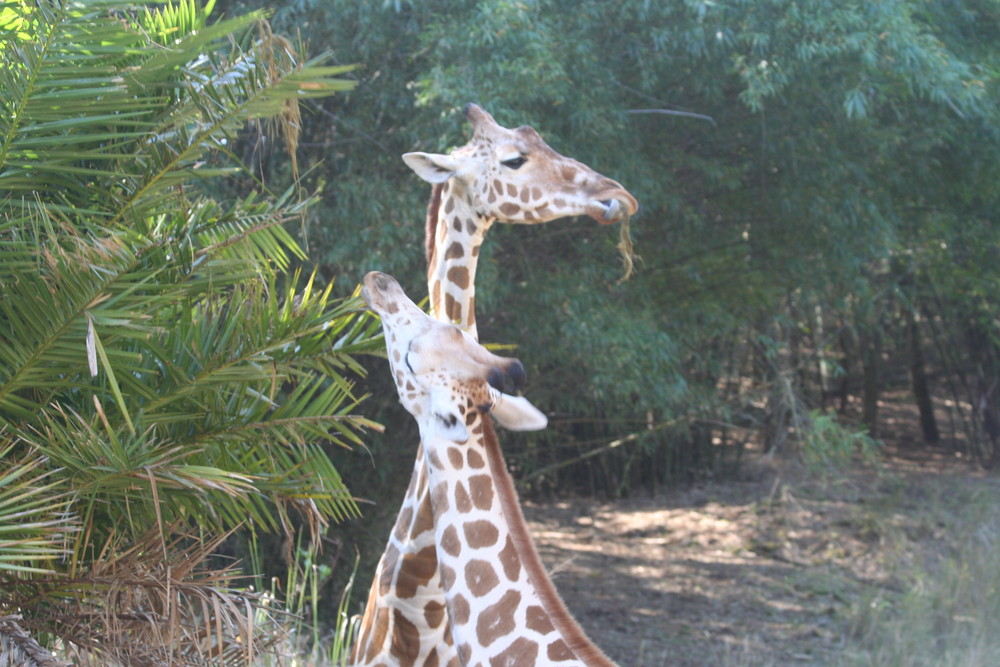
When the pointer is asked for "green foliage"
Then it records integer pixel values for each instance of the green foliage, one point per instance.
(828, 447)
(159, 365)
(839, 140)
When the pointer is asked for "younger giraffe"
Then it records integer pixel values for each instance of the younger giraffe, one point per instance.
(502, 607)
(501, 175)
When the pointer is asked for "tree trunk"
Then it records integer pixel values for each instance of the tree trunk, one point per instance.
(918, 378)
(871, 363)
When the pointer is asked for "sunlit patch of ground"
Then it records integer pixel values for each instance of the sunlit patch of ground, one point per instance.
(782, 568)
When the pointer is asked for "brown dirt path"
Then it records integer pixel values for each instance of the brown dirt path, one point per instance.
(773, 570)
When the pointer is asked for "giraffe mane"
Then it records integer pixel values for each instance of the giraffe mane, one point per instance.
(430, 229)
(561, 618)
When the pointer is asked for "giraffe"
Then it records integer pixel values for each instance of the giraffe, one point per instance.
(502, 607)
(501, 175)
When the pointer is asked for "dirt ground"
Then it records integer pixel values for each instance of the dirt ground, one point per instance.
(774, 569)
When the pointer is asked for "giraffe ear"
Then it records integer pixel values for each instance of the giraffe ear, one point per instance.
(446, 421)
(515, 413)
(432, 167)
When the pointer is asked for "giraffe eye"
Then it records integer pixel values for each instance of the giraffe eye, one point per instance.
(514, 162)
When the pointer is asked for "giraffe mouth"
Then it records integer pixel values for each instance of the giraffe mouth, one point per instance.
(611, 210)
(366, 296)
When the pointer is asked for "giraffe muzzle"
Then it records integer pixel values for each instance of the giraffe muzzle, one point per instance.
(612, 210)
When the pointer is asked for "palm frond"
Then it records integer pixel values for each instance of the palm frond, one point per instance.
(154, 368)
(35, 522)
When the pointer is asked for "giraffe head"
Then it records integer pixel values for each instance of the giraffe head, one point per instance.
(442, 375)
(514, 176)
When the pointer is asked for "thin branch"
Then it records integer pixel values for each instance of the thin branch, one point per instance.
(614, 444)
(671, 112)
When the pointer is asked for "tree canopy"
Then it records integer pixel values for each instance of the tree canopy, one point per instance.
(811, 176)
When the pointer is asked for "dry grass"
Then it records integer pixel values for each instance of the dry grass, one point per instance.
(153, 604)
(945, 611)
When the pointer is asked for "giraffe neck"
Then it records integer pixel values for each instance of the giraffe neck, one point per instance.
(394, 624)
(455, 232)
(502, 606)
(405, 620)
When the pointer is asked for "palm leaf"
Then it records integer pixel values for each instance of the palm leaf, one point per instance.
(35, 525)
(155, 366)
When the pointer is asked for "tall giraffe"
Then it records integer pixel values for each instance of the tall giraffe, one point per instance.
(501, 175)
(502, 607)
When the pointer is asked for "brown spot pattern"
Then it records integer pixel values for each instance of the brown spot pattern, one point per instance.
(481, 490)
(389, 560)
(462, 501)
(439, 498)
(460, 610)
(425, 519)
(454, 251)
(435, 460)
(558, 651)
(447, 577)
(377, 641)
(480, 578)
(475, 459)
(450, 542)
(452, 308)
(497, 620)
(403, 522)
(509, 561)
(405, 640)
(480, 534)
(434, 613)
(522, 652)
(455, 458)
(538, 620)
(415, 571)
(509, 209)
(459, 275)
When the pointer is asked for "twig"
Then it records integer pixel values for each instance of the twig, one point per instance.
(614, 444)
(671, 112)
